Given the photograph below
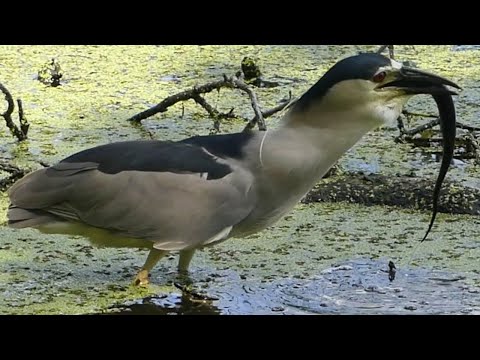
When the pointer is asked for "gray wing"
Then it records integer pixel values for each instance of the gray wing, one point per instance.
(187, 200)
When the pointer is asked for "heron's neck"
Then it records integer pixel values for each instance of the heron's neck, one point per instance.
(318, 141)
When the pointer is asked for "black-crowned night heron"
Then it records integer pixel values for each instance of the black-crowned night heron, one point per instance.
(182, 196)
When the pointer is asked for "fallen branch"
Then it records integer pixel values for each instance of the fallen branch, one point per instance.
(233, 82)
(19, 133)
(182, 96)
(419, 129)
(400, 191)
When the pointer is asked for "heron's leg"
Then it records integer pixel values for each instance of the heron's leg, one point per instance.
(153, 257)
(185, 259)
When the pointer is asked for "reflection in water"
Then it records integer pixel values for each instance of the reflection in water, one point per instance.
(173, 304)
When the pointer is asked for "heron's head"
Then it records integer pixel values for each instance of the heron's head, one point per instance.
(371, 85)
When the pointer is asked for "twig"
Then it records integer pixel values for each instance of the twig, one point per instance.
(209, 108)
(422, 128)
(469, 142)
(429, 125)
(214, 113)
(280, 107)
(20, 134)
(258, 119)
(24, 125)
(412, 114)
(270, 112)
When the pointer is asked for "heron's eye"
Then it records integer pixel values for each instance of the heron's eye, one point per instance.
(380, 77)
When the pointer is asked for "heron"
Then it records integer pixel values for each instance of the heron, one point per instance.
(181, 196)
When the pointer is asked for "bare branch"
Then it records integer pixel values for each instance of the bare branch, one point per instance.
(11, 104)
(194, 93)
(412, 114)
(203, 103)
(258, 119)
(182, 96)
(431, 124)
(283, 105)
(270, 112)
(214, 113)
(24, 125)
(7, 115)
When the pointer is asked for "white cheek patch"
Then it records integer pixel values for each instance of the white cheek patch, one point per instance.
(389, 113)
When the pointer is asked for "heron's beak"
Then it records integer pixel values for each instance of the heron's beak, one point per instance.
(414, 81)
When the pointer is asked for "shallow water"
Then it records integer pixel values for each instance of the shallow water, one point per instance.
(359, 287)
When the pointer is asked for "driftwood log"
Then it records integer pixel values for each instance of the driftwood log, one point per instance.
(399, 191)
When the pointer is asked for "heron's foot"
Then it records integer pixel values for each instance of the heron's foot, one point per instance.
(183, 277)
(183, 272)
(192, 293)
(141, 279)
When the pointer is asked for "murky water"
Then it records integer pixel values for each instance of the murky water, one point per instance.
(322, 258)
(355, 287)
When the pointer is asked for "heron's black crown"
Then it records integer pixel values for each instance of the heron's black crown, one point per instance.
(362, 66)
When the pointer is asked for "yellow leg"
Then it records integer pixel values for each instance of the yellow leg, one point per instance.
(185, 259)
(153, 257)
